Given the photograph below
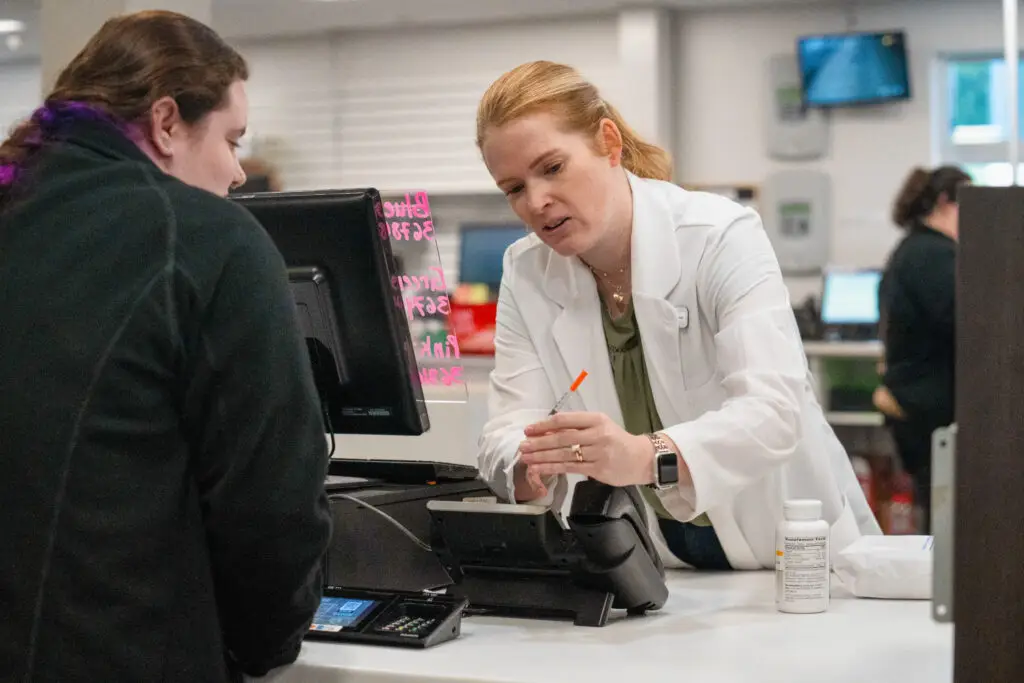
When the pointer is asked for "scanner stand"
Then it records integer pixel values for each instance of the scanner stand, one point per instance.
(536, 597)
(618, 554)
(518, 561)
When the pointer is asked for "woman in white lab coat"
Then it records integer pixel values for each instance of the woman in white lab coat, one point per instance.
(698, 389)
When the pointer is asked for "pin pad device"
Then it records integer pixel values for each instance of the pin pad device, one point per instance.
(416, 620)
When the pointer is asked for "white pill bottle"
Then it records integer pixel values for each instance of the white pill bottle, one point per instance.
(802, 559)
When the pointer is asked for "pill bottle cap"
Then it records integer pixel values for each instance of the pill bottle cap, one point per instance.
(805, 510)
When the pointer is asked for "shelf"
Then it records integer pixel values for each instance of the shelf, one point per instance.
(840, 418)
(840, 349)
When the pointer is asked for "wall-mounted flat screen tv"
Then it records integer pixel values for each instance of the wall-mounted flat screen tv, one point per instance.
(852, 69)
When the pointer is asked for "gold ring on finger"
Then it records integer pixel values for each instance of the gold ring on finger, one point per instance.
(577, 450)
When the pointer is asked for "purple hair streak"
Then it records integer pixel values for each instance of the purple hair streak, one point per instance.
(48, 123)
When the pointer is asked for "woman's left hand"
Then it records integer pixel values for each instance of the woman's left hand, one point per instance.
(606, 452)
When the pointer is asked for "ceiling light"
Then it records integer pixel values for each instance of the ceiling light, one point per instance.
(11, 26)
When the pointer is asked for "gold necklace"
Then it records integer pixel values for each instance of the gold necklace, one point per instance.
(618, 296)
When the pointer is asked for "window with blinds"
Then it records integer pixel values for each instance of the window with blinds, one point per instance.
(396, 109)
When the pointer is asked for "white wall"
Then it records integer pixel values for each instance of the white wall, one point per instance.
(19, 92)
(722, 90)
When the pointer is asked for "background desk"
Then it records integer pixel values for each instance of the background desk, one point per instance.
(715, 628)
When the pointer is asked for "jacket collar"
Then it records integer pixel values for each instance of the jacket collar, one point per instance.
(104, 139)
(655, 262)
(922, 228)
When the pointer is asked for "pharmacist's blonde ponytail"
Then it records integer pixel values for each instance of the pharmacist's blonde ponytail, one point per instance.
(546, 86)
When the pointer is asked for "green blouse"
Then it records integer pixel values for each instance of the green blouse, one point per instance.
(629, 370)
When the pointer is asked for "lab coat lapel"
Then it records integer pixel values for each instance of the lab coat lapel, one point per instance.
(579, 335)
(659, 334)
(657, 267)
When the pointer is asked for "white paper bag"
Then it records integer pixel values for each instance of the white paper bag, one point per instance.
(895, 567)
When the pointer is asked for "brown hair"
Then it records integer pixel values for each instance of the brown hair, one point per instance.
(546, 86)
(922, 190)
(130, 63)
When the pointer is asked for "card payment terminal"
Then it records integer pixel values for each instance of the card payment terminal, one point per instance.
(384, 618)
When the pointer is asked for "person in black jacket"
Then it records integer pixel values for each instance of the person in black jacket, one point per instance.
(161, 442)
(918, 319)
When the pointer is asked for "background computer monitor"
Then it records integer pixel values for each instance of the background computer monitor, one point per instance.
(340, 268)
(482, 251)
(850, 297)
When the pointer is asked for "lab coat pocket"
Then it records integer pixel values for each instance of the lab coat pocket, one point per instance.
(696, 349)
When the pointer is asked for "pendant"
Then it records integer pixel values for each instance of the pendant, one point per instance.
(619, 297)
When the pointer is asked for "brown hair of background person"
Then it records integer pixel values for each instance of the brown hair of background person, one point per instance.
(561, 89)
(162, 447)
(917, 321)
(923, 190)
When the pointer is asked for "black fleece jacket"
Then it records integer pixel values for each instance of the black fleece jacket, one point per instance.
(162, 454)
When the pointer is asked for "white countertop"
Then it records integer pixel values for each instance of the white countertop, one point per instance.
(715, 628)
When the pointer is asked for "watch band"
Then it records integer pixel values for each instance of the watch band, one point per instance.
(660, 444)
(666, 466)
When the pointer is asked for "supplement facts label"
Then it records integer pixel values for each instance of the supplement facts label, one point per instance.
(805, 568)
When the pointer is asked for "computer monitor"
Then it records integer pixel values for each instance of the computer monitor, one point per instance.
(849, 301)
(482, 251)
(340, 267)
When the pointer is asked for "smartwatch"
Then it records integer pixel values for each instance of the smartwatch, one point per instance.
(666, 463)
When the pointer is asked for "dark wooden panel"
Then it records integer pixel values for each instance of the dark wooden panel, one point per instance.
(989, 566)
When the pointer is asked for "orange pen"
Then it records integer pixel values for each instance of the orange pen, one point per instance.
(575, 385)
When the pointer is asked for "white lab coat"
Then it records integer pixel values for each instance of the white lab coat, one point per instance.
(728, 374)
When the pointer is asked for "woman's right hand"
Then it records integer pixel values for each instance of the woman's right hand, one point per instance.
(528, 484)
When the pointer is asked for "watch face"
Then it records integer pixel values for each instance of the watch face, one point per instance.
(668, 469)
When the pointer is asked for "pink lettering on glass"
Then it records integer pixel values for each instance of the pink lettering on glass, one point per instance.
(431, 348)
(423, 296)
(432, 281)
(411, 230)
(444, 376)
(414, 205)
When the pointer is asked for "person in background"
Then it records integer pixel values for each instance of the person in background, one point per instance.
(260, 176)
(162, 448)
(917, 302)
(673, 301)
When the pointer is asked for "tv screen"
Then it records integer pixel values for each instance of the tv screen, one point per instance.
(853, 68)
